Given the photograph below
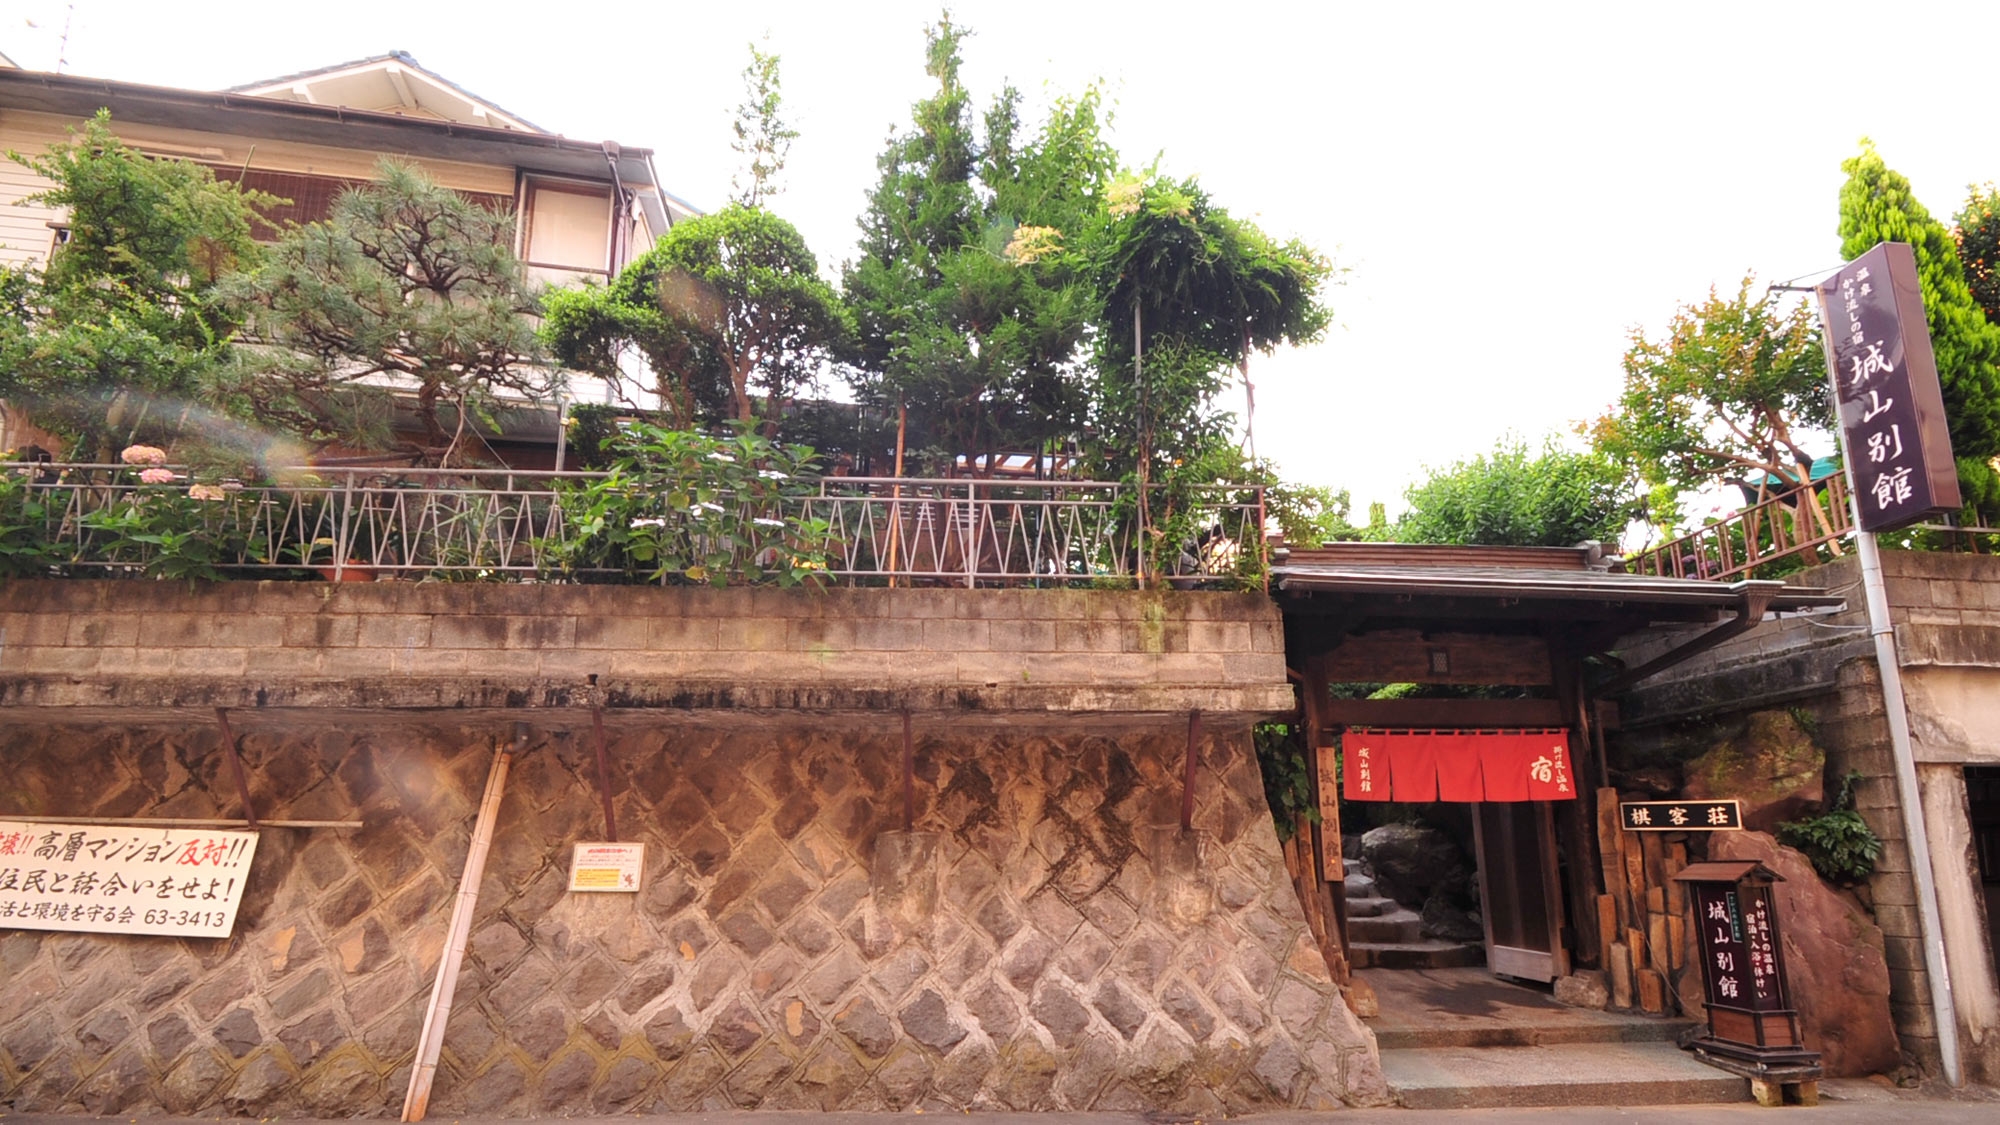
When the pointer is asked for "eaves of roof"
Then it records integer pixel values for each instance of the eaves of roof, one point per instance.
(402, 57)
(334, 126)
(1591, 586)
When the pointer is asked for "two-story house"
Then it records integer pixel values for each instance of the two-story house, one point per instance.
(585, 208)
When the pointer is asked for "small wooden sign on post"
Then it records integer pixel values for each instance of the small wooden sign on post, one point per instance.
(1753, 1025)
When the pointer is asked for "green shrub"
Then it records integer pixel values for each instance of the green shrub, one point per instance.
(679, 506)
(1841, 846)
(1286, 763)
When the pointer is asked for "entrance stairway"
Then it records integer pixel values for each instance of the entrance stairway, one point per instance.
(1383, 933)
(1466, 1039)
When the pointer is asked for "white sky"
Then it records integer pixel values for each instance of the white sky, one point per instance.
(1513, 186)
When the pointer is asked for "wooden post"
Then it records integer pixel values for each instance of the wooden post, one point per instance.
(235, 765)
(909, 776)
(431, 1040)
(1576, 820)
(1187, 777)
(604, 774)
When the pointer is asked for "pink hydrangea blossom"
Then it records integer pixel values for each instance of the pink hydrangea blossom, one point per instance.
(157, 476)
(143, 455)
(206, 492)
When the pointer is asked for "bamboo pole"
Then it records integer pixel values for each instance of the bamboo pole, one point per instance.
(431, 1041)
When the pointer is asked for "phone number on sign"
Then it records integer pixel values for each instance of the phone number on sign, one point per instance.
(186, 918)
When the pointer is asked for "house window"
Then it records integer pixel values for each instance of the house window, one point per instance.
(568, 228)
(309, 199)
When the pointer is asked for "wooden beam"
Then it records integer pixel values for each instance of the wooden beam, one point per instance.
(1409, 656)
(418, 1098)
(236, 765)
(178, 821)
(1465, 714)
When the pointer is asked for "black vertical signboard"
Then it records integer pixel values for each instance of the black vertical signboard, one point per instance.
(1739, 964)
(1892, 420)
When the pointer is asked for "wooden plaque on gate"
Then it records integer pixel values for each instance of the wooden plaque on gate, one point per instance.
(1326, 762)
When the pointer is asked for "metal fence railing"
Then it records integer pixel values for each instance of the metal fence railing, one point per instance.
(363, 523)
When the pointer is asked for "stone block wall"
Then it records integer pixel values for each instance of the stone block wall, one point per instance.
(1078, 952)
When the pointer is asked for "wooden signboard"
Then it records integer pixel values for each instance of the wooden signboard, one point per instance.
(1327, 761)
(1885, 380)
(1681, 816)
(1750, 1014)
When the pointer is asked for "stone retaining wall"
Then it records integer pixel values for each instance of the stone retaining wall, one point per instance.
(1046, 937)
(1050, 940)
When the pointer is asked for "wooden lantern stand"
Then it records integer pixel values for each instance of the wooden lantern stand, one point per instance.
(1753, 1028)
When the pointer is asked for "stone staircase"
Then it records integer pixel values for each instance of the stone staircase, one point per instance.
(1465, 1039)
(1383, 933)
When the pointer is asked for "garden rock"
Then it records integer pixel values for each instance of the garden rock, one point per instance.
(1833, 960)
(1772, 767)
(1583, 990)
(1410, 861)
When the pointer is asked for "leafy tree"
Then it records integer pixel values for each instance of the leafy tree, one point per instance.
(972, 288)
(1515, 496)
(123, 324)
(1731, 390)
(725, 305)
(1877, 205)
(763, 138)
(1307, 515)
(1978, 235)
(1189, 293)
(406, 286)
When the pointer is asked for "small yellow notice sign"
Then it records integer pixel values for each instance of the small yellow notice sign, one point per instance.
(607, 867)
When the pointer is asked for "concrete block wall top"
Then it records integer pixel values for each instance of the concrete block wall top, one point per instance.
(395, 645)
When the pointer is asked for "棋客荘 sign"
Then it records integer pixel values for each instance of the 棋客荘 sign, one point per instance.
(179, 882)
(1681, 816)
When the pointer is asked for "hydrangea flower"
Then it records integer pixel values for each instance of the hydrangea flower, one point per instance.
(143, 455)
(156, 476)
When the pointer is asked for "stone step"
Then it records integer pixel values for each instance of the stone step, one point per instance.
(1371, 907)
(1414, 954)
(1576, 1074)
(1395, 927)
(1585, 1027)
(1359, 886)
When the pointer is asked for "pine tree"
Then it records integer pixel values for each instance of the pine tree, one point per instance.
(1877, 205)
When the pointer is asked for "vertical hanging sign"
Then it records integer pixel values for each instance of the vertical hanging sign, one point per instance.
(1892, 420)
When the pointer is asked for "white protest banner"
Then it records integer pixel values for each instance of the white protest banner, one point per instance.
(179, 882)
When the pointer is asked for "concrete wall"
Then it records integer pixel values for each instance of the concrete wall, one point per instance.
(1946, 609)
(1046, 939)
